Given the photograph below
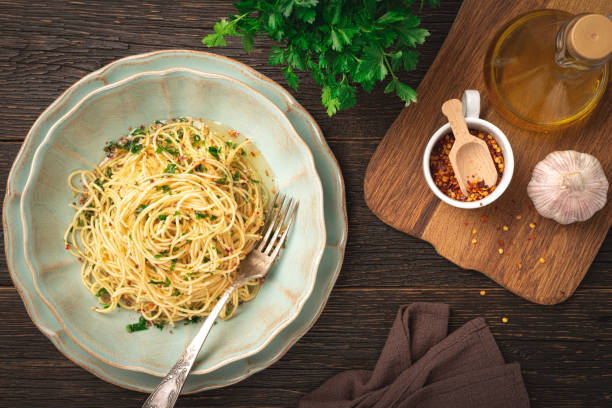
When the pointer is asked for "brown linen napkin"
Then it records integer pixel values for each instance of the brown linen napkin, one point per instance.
(420, 366)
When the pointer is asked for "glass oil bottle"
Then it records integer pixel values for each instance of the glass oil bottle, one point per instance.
(548, 69)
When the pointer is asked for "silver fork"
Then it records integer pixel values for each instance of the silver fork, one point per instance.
(255, 265)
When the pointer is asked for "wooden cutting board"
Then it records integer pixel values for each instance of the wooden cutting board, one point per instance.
(395, 188)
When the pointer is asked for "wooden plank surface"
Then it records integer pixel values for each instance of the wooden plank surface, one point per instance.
(564, 351)
(396, 190)
(563, 355)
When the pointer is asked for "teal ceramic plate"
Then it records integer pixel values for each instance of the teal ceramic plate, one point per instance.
(335, 217)
(77, 141)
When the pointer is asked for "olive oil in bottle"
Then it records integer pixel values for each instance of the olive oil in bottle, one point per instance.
(548, 69)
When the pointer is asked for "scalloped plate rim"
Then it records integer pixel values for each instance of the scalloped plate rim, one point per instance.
(269, 336)
(203, 60)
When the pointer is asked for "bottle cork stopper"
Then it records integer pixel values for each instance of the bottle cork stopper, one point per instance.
(590, 38)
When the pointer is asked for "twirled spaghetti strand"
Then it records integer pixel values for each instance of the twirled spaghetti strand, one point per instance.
(163, 222)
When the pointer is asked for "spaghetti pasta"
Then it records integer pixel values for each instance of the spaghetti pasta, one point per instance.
(162, 223)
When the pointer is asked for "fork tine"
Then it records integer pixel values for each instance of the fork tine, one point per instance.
(274, 201)
(270, 226)
(281, 241)
(271, 212)
(278, 227)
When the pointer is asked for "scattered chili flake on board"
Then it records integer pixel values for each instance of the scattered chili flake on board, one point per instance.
(518, 217)
(484, 218)
(444, 176)
(501, 243)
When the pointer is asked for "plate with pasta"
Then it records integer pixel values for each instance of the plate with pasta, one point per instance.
(155, 188)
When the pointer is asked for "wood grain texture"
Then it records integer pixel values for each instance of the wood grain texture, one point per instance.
(396, 191)
(564, 351)
(558, 358)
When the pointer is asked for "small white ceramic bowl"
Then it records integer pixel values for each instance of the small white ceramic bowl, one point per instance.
(471, 111)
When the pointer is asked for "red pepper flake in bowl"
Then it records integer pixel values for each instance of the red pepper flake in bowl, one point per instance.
(444, 176)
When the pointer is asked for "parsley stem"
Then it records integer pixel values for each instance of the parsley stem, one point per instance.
(236, 19)
(389, 66)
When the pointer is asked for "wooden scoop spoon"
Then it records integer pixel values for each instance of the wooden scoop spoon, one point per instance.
(469, 155)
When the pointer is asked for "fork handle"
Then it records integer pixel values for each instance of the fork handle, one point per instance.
(167, 392)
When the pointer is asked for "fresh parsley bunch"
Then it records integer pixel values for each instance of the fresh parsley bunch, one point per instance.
(342, 43)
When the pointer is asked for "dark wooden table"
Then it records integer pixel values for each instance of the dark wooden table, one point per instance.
(565, 351)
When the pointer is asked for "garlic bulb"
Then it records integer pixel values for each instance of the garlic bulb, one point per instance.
(568, 186)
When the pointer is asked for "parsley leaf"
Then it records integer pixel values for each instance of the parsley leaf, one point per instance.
(166, 282)
(102, 293)
(140, 208)
(221, 28)
(344, 45)
(214, 151)
(165, 188)
(141, 325)
(98, 183)
(171, 168)
(133, 145)
(193, 319)
(409, 32)
(196, 141)
(405, 92)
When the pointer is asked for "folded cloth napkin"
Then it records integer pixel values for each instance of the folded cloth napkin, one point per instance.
(420, 366)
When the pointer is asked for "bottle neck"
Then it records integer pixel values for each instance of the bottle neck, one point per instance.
(565, 54)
